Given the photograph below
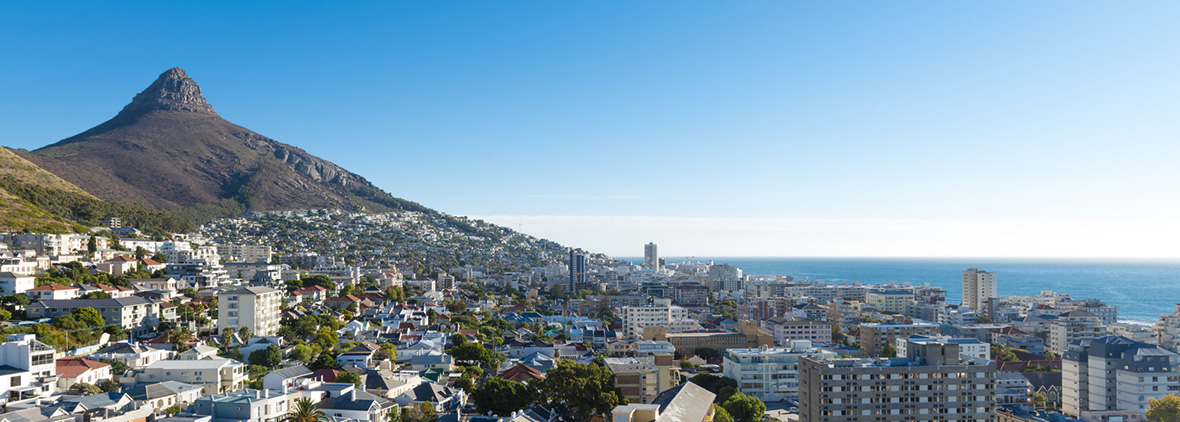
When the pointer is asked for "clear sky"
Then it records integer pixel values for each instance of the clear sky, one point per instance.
(776, 128)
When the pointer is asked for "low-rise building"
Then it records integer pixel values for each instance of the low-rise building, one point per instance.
(72, 371)
(748, 335)
(786, 330)
(27, 368)
(15, 284)
(770, 373)
(641, 379)
(131, 354)
(214, 375)
(52, 292)
(135, 314)
(967, 346)
(245, 405)
(687, 402)
(889, 301)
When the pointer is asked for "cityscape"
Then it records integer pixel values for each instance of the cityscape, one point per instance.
(527, 211)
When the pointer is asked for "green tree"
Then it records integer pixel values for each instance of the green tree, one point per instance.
(117, 368)
(269, 357)
(889, 351)
(465, 383)
(109, 386)
(88, 316)
(172, 410)
(1164, 409)
(302, 353)
(745, 408)
(586, 389)
(502, 397)
(92, 245)
(95, 295)
(304, 410)
(244, 332)
(720, 414)
(84, 389)
(1040, 400)
(706, 353)
(324, 361)
(5, 315)
(349, 377)
(838, 335)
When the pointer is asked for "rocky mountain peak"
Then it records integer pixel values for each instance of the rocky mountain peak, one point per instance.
(173, 90)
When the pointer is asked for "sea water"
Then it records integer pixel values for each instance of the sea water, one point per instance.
(1142, 289)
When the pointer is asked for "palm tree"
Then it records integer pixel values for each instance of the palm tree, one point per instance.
(304, 411)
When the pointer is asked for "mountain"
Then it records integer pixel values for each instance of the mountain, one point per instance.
(169, 149)
(18, 214)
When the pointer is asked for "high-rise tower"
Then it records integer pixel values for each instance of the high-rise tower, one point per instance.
(651, 257)
(577, 271)
(978, 286)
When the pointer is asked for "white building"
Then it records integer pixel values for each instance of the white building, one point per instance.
(255, 307)
(1167, 330)
(30, 368)
(967, 346)
(14, 284)
(770, 373)
(1113, 378)
(978, 286)
(1073, 326)
(661, 313)
(52, 292)
(214, 375)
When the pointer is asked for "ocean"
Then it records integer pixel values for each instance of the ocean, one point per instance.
(1141, 289)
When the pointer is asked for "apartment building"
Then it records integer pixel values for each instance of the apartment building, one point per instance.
(889, 301)
(1073, 326)
(786, 330)
(933, 384)
(978, 286)
(52, 292)
(874, 336)
(1167, 330)
(246, 405)
(135, 314)
(213, 375)
(1113, 378)
(660, 313)
(641, 379)
(255, 307)
(770, 373)
(244, 253)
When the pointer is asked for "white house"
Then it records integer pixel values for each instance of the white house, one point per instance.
(12, 284)
(72, 371)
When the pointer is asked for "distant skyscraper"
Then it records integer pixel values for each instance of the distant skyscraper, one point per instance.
(978, 286)
(577, 270)
(651, 257)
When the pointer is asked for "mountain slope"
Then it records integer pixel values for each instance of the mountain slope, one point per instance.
(169, 149)
(17, 214)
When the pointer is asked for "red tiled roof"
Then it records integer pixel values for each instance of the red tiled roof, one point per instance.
(120, 258)
(75, 367)
(329, 375)
(522, 373)
(50, 287)
(312, 289)
(149, 262)
(345, 298)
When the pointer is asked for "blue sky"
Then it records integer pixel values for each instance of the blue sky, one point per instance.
(713, 128)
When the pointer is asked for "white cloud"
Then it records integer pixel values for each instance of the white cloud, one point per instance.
(696, 236)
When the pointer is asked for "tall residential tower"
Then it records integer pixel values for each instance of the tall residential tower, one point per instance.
(978, 287)
(651, 257)
(577, 271)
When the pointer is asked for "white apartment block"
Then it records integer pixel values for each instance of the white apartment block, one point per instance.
(135, 314)
(1113, 378)
(14, 284)
(787, 329)
(978, 286)
(1167, 330)
(661, 313)
(770, 373)
(1073, 326)
(889, 301)
(245, 253)
(968, 347)
(255, 307)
